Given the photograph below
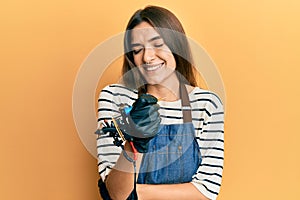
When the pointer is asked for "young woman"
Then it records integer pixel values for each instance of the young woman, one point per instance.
(179, 126)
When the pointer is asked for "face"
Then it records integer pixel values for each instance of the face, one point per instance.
(151, 55)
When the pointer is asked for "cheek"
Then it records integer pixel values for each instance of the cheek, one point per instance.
(172, 62)
(169, 58)
(166, 53)
(137, 60)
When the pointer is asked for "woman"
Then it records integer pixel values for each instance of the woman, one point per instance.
(183, 152)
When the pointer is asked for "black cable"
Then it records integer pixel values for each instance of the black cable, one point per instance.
(134, 182)
(135, 197)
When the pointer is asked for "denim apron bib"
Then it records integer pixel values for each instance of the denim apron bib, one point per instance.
(173, 155)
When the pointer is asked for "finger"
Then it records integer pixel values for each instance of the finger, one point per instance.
(108, 129)
(145, 99)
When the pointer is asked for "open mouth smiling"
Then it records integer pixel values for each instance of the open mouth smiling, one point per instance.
(153, 67)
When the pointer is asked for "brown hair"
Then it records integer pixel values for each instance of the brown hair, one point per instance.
(172, 32)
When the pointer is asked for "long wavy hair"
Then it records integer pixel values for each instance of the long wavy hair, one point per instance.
(173, 34)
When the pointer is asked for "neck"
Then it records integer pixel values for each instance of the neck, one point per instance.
(167, 91)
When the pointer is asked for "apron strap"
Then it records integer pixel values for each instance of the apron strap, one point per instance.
(185, 102)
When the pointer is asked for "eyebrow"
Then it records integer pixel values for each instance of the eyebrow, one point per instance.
(150, 40)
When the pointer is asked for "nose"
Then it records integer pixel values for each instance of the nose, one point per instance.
(149, 54)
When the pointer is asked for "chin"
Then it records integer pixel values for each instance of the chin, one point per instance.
(159, 78)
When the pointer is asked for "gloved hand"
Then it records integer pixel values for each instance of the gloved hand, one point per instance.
(138, 124)
(142, 122)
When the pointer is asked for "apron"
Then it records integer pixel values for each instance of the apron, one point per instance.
(173, 155)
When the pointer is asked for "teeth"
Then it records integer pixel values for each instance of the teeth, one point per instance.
(152, 68)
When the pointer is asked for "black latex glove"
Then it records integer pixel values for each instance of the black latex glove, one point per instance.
(142, 123)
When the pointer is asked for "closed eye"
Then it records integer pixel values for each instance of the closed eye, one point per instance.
(136, 51)
(158, 45)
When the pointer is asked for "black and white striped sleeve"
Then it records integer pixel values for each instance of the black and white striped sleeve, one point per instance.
(211, 142)
(107, 152)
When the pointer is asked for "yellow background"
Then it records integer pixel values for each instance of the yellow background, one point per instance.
(255, 45)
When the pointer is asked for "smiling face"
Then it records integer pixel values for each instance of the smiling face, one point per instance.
(152, 56)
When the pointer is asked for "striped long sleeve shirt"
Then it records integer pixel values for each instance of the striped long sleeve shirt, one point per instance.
(208, 121)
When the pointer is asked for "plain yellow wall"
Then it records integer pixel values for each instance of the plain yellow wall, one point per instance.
(255, 45)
